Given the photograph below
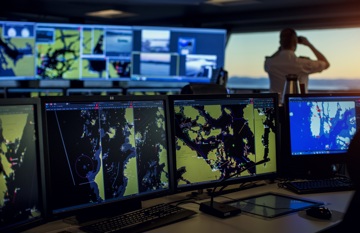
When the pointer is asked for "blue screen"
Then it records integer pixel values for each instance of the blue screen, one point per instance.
(323, 123)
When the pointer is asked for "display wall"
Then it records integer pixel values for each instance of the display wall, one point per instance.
(48, 51)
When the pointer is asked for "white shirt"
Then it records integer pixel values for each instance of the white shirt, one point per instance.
(286, 62)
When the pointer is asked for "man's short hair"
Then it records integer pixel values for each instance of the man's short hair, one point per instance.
(287, 36)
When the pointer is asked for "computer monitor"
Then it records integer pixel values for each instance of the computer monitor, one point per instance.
(86, 52)
(218, 136)
(105, 154)
(175, 54)
(317, 130)
(22, 200)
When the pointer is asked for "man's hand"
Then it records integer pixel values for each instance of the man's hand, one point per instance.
(303, 40)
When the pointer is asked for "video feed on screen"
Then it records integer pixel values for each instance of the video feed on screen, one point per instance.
(17, 50)
(155, 41)
(217, 138)
(19, 187)
(109, 151)
(155, 64)
(186, 46)
(118, 43)
(200, 65)
(177, 55)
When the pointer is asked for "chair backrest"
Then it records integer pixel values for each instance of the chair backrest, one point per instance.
(351, 216)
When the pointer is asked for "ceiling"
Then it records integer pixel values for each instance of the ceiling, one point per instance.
(234, 15)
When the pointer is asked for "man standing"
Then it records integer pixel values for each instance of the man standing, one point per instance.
(284, 62)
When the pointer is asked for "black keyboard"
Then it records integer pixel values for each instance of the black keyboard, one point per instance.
(320, 185)
(140, 220)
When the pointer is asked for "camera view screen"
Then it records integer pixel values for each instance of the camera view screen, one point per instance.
(19, 187)
(217, 138)
(105, 151)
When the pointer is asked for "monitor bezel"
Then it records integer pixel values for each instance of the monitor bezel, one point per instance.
(309, 164)
(13, 92)
(241, 180)
(42, 199)
(103, 209)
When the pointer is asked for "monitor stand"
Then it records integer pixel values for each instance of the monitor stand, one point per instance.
(199, 194)
(238, 189)
(321, 172)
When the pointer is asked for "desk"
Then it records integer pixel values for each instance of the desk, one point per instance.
(292, 223)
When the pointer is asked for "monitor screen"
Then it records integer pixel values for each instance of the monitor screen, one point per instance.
(79, 51)
(217, 136)
(109, 150)
(55, 51)
(177, 54)
(21, 196)
(17, 50)
(320, 127)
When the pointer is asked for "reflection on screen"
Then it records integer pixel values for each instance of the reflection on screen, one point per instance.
(218, 137)
(105, 151)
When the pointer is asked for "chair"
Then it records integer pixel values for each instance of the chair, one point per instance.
(350, 220)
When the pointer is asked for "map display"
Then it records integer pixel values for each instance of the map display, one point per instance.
(323, 127)
(106, 152)
(215, 141)
(82, 52)
(19, 196)
(17, 50)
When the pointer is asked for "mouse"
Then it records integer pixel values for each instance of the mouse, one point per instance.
(319, 212)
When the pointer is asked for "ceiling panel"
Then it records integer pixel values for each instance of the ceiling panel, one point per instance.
(236, 15)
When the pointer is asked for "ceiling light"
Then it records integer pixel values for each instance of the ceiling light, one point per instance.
(231, 2)
(109, 14)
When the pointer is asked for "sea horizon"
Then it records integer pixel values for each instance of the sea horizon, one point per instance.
(314, 84)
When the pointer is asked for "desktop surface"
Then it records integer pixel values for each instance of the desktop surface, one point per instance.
(290, 223)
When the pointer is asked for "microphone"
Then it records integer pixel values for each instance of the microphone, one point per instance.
(222, 210)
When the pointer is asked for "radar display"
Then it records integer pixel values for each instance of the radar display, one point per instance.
(19, 196)
(215, 141)
(107, 153)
